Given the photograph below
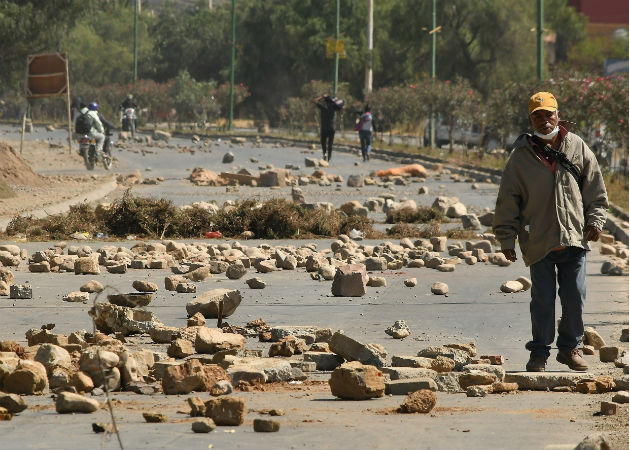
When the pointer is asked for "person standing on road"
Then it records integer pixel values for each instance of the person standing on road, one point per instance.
(552, 197)
(327, 107)
(365, 127)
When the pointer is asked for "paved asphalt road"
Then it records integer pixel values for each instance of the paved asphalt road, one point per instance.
(474, 309)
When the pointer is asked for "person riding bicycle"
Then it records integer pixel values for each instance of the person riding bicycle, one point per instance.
(129, 103)
(96, 129)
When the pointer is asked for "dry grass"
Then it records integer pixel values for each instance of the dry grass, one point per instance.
(422, 214)
(150, 218)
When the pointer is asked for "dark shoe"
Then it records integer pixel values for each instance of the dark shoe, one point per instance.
(573, 359)
(536, 363)
(368, 157)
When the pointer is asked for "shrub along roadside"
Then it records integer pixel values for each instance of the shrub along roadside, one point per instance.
(158, 219)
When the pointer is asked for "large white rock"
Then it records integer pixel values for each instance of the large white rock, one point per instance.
(207, 303)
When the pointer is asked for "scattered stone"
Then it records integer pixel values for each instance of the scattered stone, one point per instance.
(266, 425)
(526, 282)
(131, 300)
(511, 287)
(77, 297)
(205, 425)
(256, 283)
(196, 320)
(86, 265)
(197, 406)
(228, 158)
(588, 349)
(350, 281)
(477, 391)
(144, 286)
(475, 378)
(70, 403)
(355, 181)
(592, 338)
(154, 417)
(377, 282)
(596, 441)
(15, 404)
(609, 353)
(421, 401)
(399, 330)
(496, 360)
(207, 303)
(352, 350)
(191, 376)
(180, 348)
(20, 291)
(235, 271)
(288, 346)
(439, 288)
(542, 381)
(355, 381)
(226, 410)
(411, 282)
(609, 408)
(501, 387)
(211, 340)
(619, 397)
(470, 222)
(29, 378)
(442, 364)
(325, 361)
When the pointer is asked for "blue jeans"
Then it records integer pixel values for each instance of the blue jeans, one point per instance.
(365, 136)
(570, 264)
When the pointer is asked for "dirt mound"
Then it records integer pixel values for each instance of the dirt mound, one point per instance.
(14, 170)
(6, 191)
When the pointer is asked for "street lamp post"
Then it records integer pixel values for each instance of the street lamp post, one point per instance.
(539, 35)
(135, 42)
(433, 50)
(336, 79)
(230, 123)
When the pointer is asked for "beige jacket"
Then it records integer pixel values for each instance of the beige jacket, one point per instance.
(547, 210)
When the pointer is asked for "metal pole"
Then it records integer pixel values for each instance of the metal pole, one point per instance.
(539, 34)
(370, 46)
(433, 49)
(135, 42)
(230, 125)
(336, 80)
(68, 105)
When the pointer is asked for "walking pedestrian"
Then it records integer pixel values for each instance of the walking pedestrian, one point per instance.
(328, 106)
(552, 197)
(365, 127)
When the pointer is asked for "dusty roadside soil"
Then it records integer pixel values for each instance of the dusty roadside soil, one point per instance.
(22, 173)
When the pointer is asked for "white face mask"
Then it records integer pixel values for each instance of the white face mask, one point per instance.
(547, 136)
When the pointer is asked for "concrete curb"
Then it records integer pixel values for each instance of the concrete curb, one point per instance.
(64, 206)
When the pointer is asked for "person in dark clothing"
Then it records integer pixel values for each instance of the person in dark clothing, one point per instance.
(76, 106)
(327, 107)
(130, 103)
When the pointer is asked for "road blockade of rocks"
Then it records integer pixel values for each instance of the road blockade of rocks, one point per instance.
(80, 366)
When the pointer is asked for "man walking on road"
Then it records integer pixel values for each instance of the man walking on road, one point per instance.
(552, 197)
(327, 106)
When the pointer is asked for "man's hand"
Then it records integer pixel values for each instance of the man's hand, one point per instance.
(592, 233)
(509, 254)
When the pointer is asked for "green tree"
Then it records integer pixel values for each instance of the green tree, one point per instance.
(32, 27)
(101, 46)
